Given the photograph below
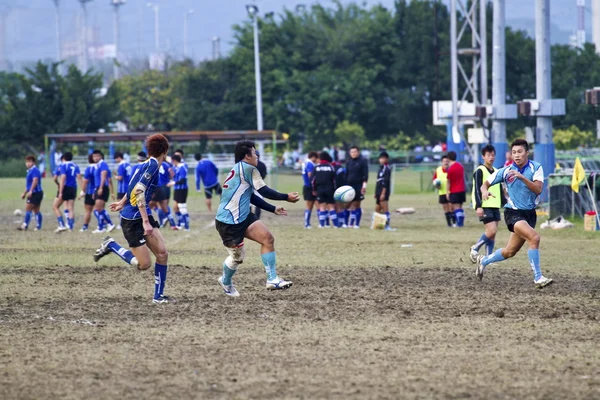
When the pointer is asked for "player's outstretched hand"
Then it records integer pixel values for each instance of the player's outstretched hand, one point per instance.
(23, 196)
(280, 211)
(118, 206)
(148, 229)
(293, 197)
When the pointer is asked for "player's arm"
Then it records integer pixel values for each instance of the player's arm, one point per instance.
(494, 179)
(478, 177)
(536, 185)
(34, 184)
(387, 178)
(61, 184)
(261, 187)
(79, 180)
(84, 184)
(139, 191)
(103, 175)
(119, 173)
(263, 205)
(198, 176)
(365, 176)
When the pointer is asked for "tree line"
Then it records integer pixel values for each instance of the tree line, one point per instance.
(329, 74)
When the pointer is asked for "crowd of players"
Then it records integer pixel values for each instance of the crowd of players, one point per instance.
(96, 188)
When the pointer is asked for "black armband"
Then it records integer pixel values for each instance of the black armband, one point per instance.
(261, 203)
(271, 194)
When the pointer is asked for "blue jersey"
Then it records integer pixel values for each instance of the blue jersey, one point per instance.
(147, 175)
(71, 171)
(101, 166)
(519, 195)
(181, 172)
(241, 182)
(307, 167)
(89, 176)
(164, 173)
(32, 173)
(123, 171)
(208, 173)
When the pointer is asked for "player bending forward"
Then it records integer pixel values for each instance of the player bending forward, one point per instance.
(139, 227)
(234, 221)
(525, 182)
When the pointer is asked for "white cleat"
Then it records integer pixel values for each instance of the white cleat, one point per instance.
(61, 229)
(279, 284)
(480, 269)
(83, 230)
(473, 255)
(356, 227)
(110, 228)
(543, 282)
(344, 226)
(99, 231)
(119, 227)
(229, 290)
(308, 227)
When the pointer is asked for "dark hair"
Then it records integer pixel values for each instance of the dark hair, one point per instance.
(157, 145)
(178, 151)
(68, 156)
(176, 157)
(355, 147)
(91, 158)
(384, 154)
(30, 158)
(452, 155)
(198, 156)
(488, 149)
(325, 156)
(98, 152)
(242, 149)
(444, 156)
(520, 142)
(118, 154)
(313, 154)
(257, 153)
(62, 157)
(142, 154)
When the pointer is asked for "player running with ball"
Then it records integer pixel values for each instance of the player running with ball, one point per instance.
(234, 221)
(524, 180)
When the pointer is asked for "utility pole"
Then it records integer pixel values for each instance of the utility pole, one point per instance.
(85, 59)
(185, 32)
(253, 12)
(58, 26)
(216, 47)
(116, 4)
(156, 10)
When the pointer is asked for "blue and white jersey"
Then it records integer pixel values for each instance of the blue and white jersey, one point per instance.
(89, 175)
(307, 167)
(124, 171)
(70, 170)
(32, 173)
(241, 182)
(181, 172)
(164, 174)
(101, 166)
(208, 172)
(519, 195)
(147, 175)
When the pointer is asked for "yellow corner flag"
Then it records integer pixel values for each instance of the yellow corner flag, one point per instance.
(578, 175)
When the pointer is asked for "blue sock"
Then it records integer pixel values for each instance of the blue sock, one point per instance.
(321, 215)
(27, 218)
(100, 219)
(482, 240)
(494, 257)
(160, 277)
(387, 219)
(61, 221)
(71, 222)
(268, 260)
(228, 274)
(346, 216)
(333, 218)
(126, 255)
(489, 247)
(326, 218)
(186, 221)
(307, 214)
(179, 218)
(340, 218)
(358, 216)
(352, 219)
(170, 217)
(85, 227)
(161, 216)
(106, 217)
(66, 215)
(534, 261)
(459, 214)
(38, 220)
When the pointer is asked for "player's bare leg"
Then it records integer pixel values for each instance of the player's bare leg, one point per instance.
(259, 233)
(56, 204)
(208, 203)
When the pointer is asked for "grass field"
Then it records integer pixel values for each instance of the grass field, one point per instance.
(366, 317)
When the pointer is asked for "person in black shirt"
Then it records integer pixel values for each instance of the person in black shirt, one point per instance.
(340, 180)
(382, 188)
(357, 175)
(262, 170)
(323, 183)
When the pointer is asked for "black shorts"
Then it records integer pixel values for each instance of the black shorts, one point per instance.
(180, 195)
(325, 196)
(442, 199)
(105, 194)
(358, 196)
(69, 193)
(161, 193)
(458, 198)
(89, 200)
(120, 195)
(36, 198)
(233, 235)
(511, 217)
(378, 197)
(208, 192)
(307, 193)
(133, 230)
(490, 215)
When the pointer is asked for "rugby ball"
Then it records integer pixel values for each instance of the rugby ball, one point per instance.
(437, 183)
(18, 213)
(344, 194)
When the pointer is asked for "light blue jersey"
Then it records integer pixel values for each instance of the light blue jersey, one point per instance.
(519, 195)
(241, 182)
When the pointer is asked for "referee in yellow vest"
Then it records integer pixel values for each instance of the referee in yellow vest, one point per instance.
(488, 210)
(440, 182)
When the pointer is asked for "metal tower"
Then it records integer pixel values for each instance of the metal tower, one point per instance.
(580, 23)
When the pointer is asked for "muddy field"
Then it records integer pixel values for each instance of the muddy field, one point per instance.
(365, 318)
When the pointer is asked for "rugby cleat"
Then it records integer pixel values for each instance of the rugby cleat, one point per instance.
(61, 229)
(473, 255)
(103, 249)
(278, 284)
(229, 290)
(543, 282)
(162, 299)
(110, 228)
(99, 231)
(480, 269)
(22, 227)
(83, 230)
